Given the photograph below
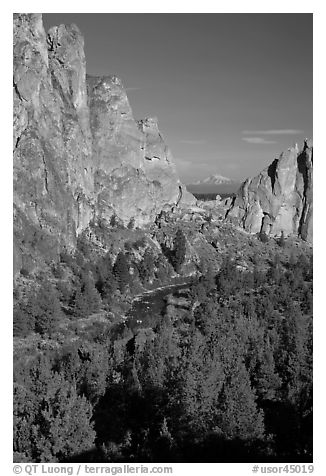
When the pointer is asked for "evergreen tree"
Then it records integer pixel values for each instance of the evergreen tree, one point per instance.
(121, 271)
(274, 273)
(65, 291)
(281, 242)
(239, 416)
(87, 299)
(201, 381)
(163, 268)
(23, 322)
(51, 421)
(63, 422)
(80, 308)
(110, 285)
(180, 248)
(103, 270)
(24, 411)
(228, 278)
(146, 267)
(131, 224)
(46, 308)
(92, 295)
(113, 221)
(263, 237)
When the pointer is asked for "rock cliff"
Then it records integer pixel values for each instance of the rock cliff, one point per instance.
(279, 199)
(135, 176)
(79, 155)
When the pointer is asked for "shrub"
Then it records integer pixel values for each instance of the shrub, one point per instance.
(263, 237)
(131, 224)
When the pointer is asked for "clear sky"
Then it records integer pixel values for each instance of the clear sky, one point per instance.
(230, 91)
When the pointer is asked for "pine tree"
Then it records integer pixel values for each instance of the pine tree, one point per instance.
(109, 287)
(87, 299)
(113, 221)
(131, 224)
(24, 411)
(23, 322)
(281, 242)
(103, 270)
(180, 249)
(121, 271)
(63, 427)
(80, 308)
(239, 416)
(46, 309)
(263, 237)
(163, 268)
(92, 295)
(202, 379)
(146, 267)
(274, 273)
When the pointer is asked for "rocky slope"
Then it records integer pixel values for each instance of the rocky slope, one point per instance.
(79, 155)
(280, 198)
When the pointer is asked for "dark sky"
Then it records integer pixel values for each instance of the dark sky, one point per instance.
(231, 91)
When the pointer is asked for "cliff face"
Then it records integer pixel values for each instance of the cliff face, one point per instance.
(52, 153)
(135, 176)
(79, 155)
(279, 199)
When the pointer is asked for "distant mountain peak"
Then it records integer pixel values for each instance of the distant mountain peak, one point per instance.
(215, 179)
(215, 183)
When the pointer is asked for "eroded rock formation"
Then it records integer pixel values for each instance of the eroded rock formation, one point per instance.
(135, 175)
(79, 155)
(279, 199)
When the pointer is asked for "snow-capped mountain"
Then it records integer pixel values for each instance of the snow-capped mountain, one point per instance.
(214, 180)
(214, 184)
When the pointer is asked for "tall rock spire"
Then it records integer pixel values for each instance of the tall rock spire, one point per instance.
(279, 199)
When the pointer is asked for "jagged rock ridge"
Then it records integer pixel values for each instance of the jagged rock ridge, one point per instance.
(79, 155)
(279, 199)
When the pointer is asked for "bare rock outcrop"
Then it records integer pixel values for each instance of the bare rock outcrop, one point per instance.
(79, 155)
(279, 199)
(51, 150)
(135, 175)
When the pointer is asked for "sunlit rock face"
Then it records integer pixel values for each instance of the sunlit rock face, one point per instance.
(53, 186)
(279, 199)
(79, 155)
(135, 175)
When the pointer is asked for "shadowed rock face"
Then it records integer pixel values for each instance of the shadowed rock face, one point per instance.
(279, 199)
(79, 155)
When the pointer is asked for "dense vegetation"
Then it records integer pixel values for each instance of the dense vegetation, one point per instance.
(228, 377)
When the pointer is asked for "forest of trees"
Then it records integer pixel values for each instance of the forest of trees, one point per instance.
(229, 381)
